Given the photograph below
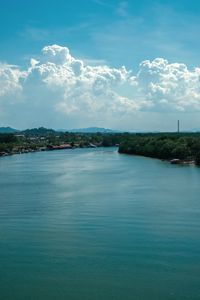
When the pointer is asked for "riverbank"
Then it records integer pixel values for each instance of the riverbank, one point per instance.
(42, 139)
(48, 148)
(183, 148)
(178, 149)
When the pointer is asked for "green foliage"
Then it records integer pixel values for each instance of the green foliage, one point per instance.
(158, 145)
(7, 138)
(166, 146)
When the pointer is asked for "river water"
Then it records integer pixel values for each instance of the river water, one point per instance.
(92, 224)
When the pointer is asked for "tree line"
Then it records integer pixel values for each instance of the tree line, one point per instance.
(164, 146)
(183, 146)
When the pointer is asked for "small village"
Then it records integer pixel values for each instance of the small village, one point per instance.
(41, 139)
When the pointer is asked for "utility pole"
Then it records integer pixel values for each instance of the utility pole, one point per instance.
(178, 126)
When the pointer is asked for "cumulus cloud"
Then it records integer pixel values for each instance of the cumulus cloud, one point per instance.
(82, 88)
(60, 85)
(9, 80)
(169, 86)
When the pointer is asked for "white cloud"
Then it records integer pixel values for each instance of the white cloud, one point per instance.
(85, 89)
(59, 86)
(169, 86)
(9, 80)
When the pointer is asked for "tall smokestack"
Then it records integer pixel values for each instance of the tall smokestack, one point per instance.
(178, 126)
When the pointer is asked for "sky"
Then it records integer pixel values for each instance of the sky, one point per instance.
(127, 65)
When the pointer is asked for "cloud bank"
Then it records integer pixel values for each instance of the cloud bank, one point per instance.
(58, 86)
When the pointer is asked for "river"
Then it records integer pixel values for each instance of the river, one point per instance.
(92, 224)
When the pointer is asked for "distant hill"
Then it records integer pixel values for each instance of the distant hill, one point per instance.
(41, 131)
(7, 130)
(94, 130)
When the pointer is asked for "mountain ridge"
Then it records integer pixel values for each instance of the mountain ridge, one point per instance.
(8, 130)
(94, 130)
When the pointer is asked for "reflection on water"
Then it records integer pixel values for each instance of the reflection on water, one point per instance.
(93, 224)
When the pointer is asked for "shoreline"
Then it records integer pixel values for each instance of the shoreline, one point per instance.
(49, 149)
(183, 162)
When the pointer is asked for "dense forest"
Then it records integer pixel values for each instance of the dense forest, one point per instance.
(183, 147)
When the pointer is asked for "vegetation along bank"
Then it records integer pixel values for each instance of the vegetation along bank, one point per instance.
(177, 148)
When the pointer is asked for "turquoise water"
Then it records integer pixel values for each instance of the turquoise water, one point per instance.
(92, 224)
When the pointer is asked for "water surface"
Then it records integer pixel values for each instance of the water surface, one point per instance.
(91, 224)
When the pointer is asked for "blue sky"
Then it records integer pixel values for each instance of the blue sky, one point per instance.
(120, 32)
(100, 32)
